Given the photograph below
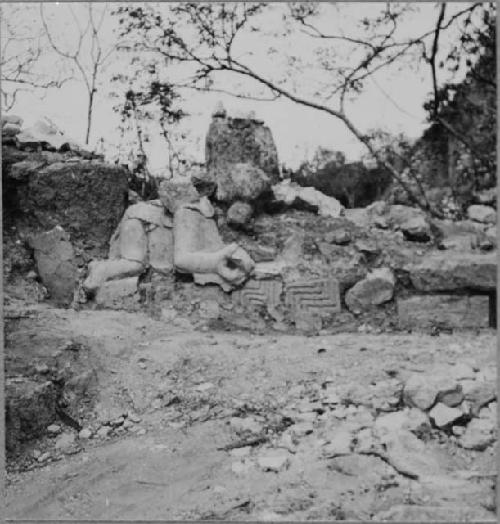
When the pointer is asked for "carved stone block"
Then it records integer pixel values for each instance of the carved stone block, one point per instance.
(319, 296)
(260, 293)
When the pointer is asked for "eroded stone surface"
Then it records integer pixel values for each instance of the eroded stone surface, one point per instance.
(118, 294)
(444, 310)
(455, 271)
(240, 140)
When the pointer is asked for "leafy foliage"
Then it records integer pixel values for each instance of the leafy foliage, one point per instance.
(462, 137)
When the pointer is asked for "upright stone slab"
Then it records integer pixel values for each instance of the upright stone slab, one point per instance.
(54, 257)
(443, 310)
(240, 140)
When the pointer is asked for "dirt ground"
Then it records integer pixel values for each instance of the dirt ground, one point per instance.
(192, 399)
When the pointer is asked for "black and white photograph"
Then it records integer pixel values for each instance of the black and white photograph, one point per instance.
(249, 261)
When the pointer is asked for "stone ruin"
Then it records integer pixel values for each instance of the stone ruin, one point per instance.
(313, 266)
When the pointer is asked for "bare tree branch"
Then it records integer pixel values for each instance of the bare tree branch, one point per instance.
(89, 72)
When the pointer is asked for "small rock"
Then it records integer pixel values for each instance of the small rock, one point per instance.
(479, 393)
(118, 421)
(42, 369)
(451, 398)
(65, 442)
(375, 289)
(133, 417)
(483, 214)
(103, 431)
(479, 434)
(489, 412)
(54, 429)
(36, 453)
(380, 222)
(421, 391)
(458, 430)
(128, 424)
(85, 434)
(274, 460)
(369, 247)
(417, 229)
(409, 454)
(239, 213)
(340, 237)
(44, 457)
(141, 431)
(443, 416)
(487, 196)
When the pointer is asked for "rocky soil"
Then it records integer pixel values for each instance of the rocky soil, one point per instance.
(145, 419)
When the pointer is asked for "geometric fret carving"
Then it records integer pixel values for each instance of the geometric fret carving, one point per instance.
(260, 293)
(319, 296)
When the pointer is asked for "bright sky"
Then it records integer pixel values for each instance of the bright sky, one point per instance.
(392, 100)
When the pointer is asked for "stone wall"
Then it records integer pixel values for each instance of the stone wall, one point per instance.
(360, 272)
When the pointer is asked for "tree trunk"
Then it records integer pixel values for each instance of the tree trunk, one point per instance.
(89, 115)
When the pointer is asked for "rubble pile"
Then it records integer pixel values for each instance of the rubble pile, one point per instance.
(306, 263)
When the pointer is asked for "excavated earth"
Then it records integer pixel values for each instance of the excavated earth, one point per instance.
(169, 420)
